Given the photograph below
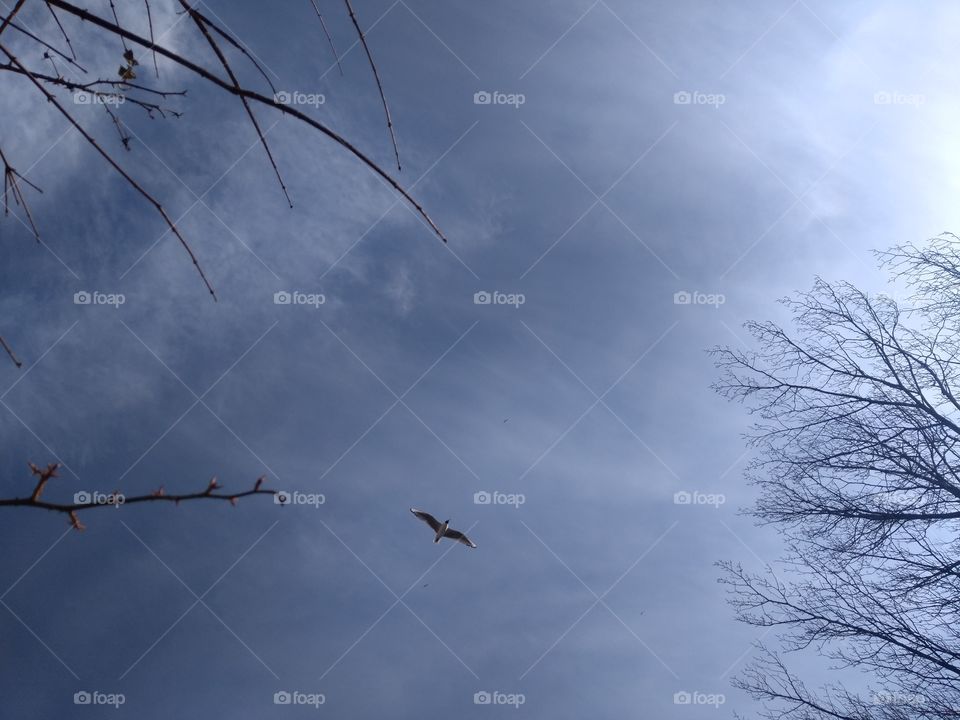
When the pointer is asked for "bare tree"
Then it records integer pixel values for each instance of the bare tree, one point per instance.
(54, 69)
(857, 466)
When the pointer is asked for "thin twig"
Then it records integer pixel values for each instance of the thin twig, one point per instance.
(11, 186)
(44, 475)
(202, 25)
(123, 173)
(50, 47)
(329, 38)
(16, 360)
(236, 43)
(252, 95)
(9, 18)
(376, 76)
(113, 9)
(62, 31)
(156, 68)
(108, 97)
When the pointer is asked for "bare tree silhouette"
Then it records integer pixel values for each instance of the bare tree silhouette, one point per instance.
(857, 466)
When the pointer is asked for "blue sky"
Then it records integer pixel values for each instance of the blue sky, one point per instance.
(814, 132)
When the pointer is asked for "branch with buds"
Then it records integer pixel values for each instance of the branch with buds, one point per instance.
(44, 475)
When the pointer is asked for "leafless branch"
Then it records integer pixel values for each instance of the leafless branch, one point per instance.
(202, 24)
(9, 350)
(117, 499)
(123, 173)
(326, 32)
(251, 95)
(11, 187)
(376, 76)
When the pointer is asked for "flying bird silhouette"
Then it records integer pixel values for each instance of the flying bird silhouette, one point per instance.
(442, 529)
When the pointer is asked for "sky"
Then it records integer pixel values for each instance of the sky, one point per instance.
(623, 185)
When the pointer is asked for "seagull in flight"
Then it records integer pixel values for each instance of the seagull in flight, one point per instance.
(442, 529)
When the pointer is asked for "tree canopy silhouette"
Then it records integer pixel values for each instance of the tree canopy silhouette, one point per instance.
(857, 439)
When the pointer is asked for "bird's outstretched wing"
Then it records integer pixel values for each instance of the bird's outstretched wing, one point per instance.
(459, 537)
(427, 518)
